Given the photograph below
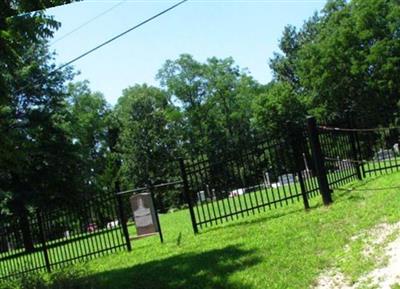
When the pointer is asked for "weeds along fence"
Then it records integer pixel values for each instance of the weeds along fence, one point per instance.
(49, 239)
(275, 173)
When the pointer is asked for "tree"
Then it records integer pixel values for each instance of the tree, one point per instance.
(149, 138)
(185, 82)
(37, 157)
(40, 162)
(89, 129)
(230, 95)
(348, 63)
(20, 32)
(215, 97)
(277, 107)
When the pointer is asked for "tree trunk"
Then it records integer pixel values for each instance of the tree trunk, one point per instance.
(25, 228)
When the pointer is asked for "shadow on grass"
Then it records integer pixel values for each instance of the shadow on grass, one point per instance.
(211, 269)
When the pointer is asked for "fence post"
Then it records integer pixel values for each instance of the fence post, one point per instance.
(123, 218)
(319, 161)
(187, 194)
(43, 240)
(295, 139)
(150, 188)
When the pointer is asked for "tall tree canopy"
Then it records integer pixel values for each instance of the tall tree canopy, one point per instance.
(346, 60)
(38, 161)
(215, 98)
(149, 138)
(89, 128)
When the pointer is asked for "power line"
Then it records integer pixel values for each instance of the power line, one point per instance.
(110, 40)
(120, 35)
(29, 54)
(87, 22)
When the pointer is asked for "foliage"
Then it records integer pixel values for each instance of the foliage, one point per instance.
(274, 108)
(346, 60)
(39, 164)
(215, 97)
(88, 127)
(149, 137)
(61, 143)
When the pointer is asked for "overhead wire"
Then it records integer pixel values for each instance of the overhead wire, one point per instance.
(107, 42)
(87, 22)
(121, 34)
(29, 55)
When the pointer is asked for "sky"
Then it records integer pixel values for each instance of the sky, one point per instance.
(249, 31)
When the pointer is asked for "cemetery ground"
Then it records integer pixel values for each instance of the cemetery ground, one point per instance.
(280, 248)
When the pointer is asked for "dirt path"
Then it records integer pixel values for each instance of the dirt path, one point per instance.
(384, 277)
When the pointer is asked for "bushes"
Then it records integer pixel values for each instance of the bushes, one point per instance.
(74, 277)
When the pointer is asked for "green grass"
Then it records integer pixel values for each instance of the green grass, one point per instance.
(214, 212)
(282, 248)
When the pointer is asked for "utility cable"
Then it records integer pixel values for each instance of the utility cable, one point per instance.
(108, 41)
(29, 55)
(120, 35)
(87, 22)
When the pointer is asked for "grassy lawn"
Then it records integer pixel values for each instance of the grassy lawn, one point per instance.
(280, 248)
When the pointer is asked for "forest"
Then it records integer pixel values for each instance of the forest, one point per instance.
(61, 142)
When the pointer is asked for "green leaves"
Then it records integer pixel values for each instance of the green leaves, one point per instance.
(349, 61)
(273, 109)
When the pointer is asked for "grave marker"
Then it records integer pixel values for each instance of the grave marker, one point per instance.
(144, 214)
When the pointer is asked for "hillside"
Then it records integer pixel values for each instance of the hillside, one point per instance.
(287, 248)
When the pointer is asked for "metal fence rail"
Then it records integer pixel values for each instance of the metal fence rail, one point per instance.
(267, 175)
(60, 237)
(359, 153)
(339, 151)
(219, 187)
(272, 174)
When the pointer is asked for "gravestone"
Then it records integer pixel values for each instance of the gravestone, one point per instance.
(384, 154)
(286, 179)
(396, 148)
(267, 180)
(144, 214)
(306, 174)
(201, 196)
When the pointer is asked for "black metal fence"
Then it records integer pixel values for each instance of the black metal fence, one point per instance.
(49, 239)
(263, 175)
(351, 153)
(272, 174)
